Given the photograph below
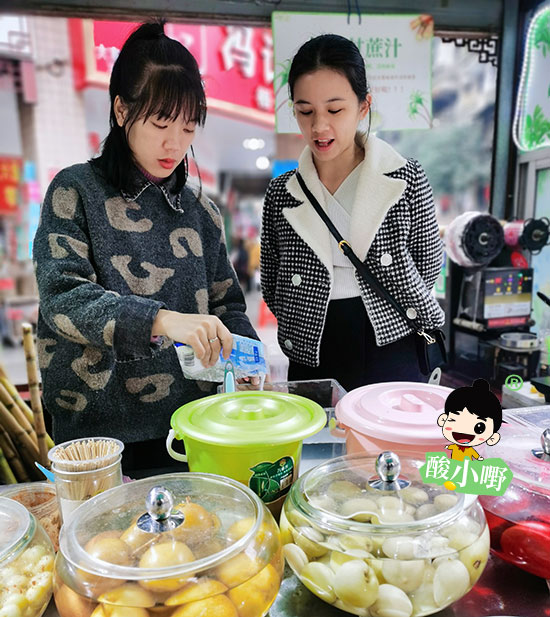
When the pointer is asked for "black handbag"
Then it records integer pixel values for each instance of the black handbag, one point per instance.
(430, 345)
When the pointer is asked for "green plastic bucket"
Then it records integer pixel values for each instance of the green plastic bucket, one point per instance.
(253, 437)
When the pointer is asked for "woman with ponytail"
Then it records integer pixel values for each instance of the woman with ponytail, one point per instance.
(129, 258)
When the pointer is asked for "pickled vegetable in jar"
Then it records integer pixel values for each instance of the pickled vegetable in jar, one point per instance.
(379, 544)
(180, 545)
(519, 520)
(26, 562)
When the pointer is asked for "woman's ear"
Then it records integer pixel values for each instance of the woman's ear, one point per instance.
(365, 106)
(120, 110)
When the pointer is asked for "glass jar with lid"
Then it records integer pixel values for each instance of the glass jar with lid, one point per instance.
(26, 562)
(519, 520)
(178, 545)
(379, 544)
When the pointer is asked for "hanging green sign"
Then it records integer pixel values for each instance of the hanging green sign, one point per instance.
(532, 119)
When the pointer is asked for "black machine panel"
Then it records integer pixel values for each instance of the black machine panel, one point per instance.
(497, 297)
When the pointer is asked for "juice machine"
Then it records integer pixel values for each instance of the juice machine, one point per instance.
(490, 295)
(490, 335)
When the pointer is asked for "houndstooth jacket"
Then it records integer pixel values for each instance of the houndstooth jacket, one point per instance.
(393, 230)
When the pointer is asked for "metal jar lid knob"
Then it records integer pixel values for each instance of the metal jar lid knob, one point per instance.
(160, 515)
(544, 453)
(388, 467)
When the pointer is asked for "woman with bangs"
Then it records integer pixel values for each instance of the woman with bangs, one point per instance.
(129, 258)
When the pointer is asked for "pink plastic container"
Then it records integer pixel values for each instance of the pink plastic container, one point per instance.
(399, 416)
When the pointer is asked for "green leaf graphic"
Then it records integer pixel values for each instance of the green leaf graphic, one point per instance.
(260, 467)
(281, 78)
(417, 107)
(541, 35)
(537, 128)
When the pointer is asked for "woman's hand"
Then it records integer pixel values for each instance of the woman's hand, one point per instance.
(206, 334)
(252, 381)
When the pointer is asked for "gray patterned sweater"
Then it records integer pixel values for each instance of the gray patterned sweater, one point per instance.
(106, 262)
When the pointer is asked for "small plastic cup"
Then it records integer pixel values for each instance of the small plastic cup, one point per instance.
(76, 487)
(77, 481)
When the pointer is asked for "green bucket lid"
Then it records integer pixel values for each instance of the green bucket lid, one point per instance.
(249, 418)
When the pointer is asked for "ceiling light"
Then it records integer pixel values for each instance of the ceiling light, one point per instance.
(253, 143)
(262, 162)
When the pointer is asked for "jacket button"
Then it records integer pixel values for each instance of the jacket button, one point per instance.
(296, 280)
(411, 313)
(386, 259)
(288, 344)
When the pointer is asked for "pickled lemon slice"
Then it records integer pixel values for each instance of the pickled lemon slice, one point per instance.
(203, 588)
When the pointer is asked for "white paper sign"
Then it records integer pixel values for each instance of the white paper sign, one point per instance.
(397, 50)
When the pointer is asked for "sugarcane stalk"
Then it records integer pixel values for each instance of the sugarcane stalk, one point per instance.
(34, 390)
(12, 457)
(17, 413)
(4, 380)
(25, 444)
(5, 471)
(12, 390)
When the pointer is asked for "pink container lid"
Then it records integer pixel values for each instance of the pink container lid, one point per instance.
(398, 411)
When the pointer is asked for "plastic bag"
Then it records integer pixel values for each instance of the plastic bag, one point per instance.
(247, 356)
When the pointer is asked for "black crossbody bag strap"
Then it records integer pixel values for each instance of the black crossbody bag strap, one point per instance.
(363, 270)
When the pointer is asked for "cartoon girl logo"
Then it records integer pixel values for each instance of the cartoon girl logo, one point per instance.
(473, 415)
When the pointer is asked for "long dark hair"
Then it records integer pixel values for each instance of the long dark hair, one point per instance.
(153, 75)
(335, 52)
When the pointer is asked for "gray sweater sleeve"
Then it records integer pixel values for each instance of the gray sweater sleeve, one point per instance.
(72, 303)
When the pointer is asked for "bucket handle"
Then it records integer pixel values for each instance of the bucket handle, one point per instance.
(435, 377)
(336, 430)
(171, 451)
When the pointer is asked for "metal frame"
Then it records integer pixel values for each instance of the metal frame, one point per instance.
(503, 161)
(457, 15)
(487, 48)
(533, 161)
